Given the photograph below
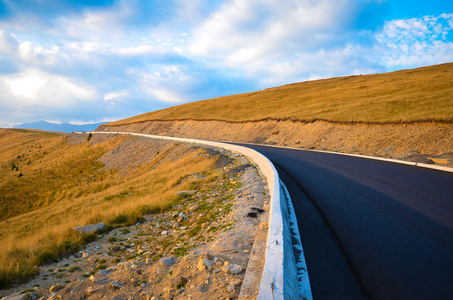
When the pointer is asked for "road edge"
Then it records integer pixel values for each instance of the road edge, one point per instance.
(280, 272)
(392, 160)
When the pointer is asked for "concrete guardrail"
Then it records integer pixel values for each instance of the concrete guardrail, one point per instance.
(281, 278)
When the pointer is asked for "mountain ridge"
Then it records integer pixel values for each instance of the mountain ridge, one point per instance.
(64, 127)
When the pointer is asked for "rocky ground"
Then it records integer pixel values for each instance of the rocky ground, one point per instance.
(200, 249)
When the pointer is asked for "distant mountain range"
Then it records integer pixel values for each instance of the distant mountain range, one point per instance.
(43, 125)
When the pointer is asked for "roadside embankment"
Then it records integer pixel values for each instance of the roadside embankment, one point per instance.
(417, 141)
(197, 248)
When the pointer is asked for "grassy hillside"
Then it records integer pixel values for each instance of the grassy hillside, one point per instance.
(421, 94)
(50, 183)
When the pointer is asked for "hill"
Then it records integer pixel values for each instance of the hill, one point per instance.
(43, 125)
(422, 94)
(406, 115)
(51, 183)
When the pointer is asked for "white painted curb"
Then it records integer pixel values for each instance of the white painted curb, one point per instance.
(279, 279)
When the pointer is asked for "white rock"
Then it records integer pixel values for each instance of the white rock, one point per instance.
(207, 262)
(89, 228)
(168, 261)
(233, 269)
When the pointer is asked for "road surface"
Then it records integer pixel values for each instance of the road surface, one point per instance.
(370, 229)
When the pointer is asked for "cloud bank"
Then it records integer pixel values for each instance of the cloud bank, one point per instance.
(93, 61)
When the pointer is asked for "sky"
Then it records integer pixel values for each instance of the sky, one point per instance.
(96, 61)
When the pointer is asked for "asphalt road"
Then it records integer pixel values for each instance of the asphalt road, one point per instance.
(370, 229)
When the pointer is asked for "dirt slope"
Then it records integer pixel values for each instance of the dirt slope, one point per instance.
(417, 141)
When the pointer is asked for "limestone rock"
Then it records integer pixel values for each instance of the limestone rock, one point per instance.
(204, 263)
(168, 261)
(89, 228)
(232, 269)
(103, 272)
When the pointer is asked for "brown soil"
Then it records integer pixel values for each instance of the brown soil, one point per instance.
(405, 141)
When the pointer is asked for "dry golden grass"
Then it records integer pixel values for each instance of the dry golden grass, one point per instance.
(68, 187)
(422, 94)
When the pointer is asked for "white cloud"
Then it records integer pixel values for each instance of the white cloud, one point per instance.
(34, 87)
(276, 41)
(96, 25)
(115, 96)
(416, 42)
(8, 43)
(165, 95)
(129, 57)
(26, 85)
(137, 50)
(25, 52)
(245, 30)
(167, 83)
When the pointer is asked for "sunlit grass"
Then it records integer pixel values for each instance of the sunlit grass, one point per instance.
(68, 187)
(422, 94)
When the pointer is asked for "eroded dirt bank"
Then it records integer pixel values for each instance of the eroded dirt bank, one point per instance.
(411, 141)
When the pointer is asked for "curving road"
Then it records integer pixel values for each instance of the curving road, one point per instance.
(370, 229)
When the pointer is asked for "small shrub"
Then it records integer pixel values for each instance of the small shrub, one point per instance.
(119, 219)
(73, 269)
(95, 219)
(148, 210)
(47, 256)
(100, 267)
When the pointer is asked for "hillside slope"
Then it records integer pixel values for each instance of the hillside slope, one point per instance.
(405, 115)
(51, 183)
(167, 206)
(422, 94)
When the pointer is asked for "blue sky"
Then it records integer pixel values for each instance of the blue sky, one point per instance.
(92, 61)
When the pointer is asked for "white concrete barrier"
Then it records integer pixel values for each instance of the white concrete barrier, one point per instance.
(410, 163)
(280, 275)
